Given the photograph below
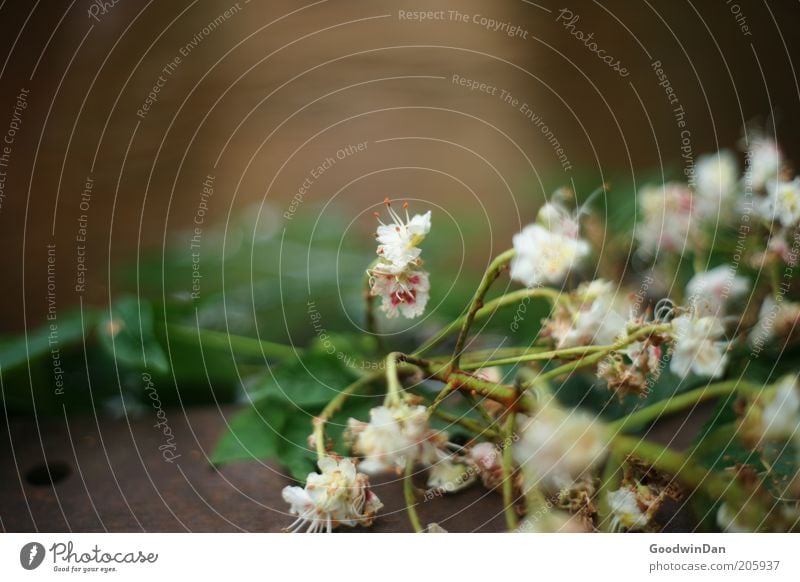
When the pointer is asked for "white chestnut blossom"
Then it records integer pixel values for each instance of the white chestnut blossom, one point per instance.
(548, 249)
(399, 239)
(783, 202)
(557, 447)
(625, 510)
(395, 435)
(780, 417)
(709, 291)
(397, 277)
(339, 495)
(764, 163)
(715, 180)
(667, 218)
(698, 346)
(405, 293)
(600, 317)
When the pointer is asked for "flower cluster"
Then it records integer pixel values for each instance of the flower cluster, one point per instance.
(687, 322)
(395, 435)
(397, 276)
(338, 495)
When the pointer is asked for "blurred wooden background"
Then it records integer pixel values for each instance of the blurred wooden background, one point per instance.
(265, 91)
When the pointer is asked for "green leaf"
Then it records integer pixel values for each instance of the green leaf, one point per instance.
(277, 423)
(128, 336)
(252, 433)
(67, 329)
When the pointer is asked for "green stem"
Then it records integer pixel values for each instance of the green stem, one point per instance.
(610, 481)
(536, 356)
(653, 412)
(512, 520)
(600, 354)
(490, 308)
(408, 492)
(489, 277)
(688, 472)
(369, 301)
(246, 345)
(332, 408)
(503, 393)
(448, 389)
(468, 423)
(392, 381)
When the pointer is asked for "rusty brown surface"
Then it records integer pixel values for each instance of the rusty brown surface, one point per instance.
(118, 481)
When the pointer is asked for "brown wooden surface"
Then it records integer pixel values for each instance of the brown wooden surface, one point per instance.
(118, 481)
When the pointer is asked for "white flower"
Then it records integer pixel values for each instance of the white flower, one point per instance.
(549, 249)
(775, 319)
(557, 447)
(697, 346)
(783, 202)
(709, 291)
(625, 510)
(450, 477)
(726, 520)
(781, 416)
(399, 239)
(599, 320)
(667, 218)
(715, 179)
(337, 496)
(406, 293)
(393, 435)
(764, 163)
